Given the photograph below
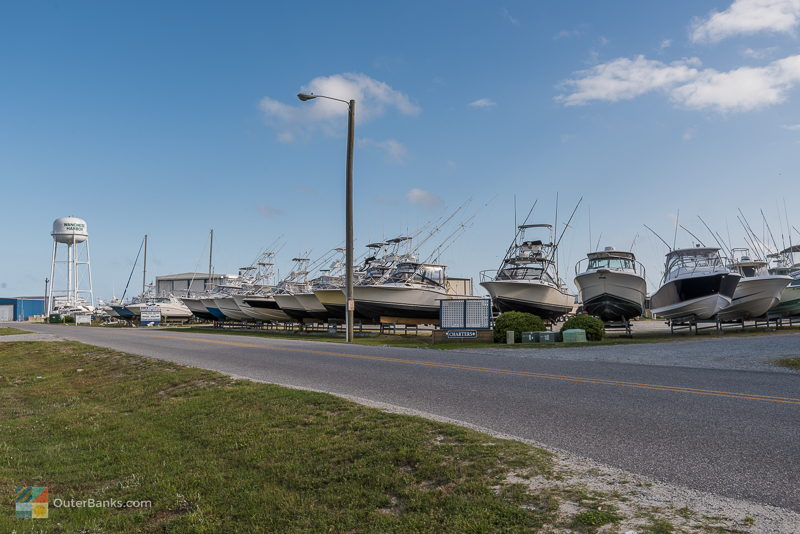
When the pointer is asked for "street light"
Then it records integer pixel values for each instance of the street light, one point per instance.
(348, 291)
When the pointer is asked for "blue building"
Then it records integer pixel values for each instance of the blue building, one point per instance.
(20, 308)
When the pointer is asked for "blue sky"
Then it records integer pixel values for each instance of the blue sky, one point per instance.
(171, 118)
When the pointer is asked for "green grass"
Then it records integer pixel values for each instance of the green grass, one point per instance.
(791, 363)
(425, 341)
(11, 332)
(215, 454)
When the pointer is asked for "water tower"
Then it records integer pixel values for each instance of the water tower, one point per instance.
(70, 249)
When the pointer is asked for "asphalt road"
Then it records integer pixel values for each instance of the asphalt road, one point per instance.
(733, 432)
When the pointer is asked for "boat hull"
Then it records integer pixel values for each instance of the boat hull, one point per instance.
(122, 312)
(312, 305)
(529, 296)
(789, 305)
(754, 297)
(612, 295)
(261, 308)
(229, 308)
(292, 307)
(400, 301)
(696, 297)
(169, 310)
(211, 306)
(197, 308)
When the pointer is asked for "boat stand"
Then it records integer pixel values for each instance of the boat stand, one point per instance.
(690, 323)
(619, 325)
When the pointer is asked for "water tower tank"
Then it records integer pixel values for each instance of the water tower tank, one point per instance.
(70, 230)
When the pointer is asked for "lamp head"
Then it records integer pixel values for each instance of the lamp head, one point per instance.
(304, 96)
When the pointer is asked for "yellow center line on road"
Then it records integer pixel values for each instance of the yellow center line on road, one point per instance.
(548, 376)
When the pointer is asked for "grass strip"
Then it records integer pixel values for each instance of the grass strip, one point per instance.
(791, 363)
(11, 332)
(214, 454)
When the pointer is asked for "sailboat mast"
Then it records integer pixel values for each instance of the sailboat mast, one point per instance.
(210, 255)
(144, 266)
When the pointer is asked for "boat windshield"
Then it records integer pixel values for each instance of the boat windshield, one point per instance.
(525, 273)
(612, 263)
(420, 273)
(692, 260)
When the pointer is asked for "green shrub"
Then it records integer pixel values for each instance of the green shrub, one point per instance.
(595, 331)
(519, 322)
(69, 319)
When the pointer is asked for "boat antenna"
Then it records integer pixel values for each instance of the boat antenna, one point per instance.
(558, 242)
(634, 241)
(768, 229)
(597, 246)
(750, 237)
(675, 236)
(450, 239)
(554, 252)
(717, 239)
(132, 270)
(694, 236)
(439, 226)
(659, 237)
(589, 209)
(515, 212)
(786, 216)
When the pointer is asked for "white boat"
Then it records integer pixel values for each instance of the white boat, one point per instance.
(757, 291)
(696, 285)
(413, 290)
(261, 307)
(612, 286)
(228, 307)
(527, 280)
(197, 308)
(171, 307)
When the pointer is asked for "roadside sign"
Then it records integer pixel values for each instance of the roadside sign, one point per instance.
(151, 315)
(462, 334)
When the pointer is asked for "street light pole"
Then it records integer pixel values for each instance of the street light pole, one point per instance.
(348, 292)
(348, 295)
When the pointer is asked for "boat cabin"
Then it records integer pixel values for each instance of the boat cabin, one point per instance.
(420, 273)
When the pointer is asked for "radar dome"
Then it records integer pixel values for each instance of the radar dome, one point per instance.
(70, 230)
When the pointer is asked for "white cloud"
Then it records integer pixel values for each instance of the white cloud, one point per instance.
(759, 53)
(372, 97)
(482, 103)
(268, 212)
(623, 79)
(666, 43)
(791, 127)
(742, 89)
(566, 138)
(509, 18)
(688, 134)
(567, 34)
(420, 197)
(748, 17)
(395, 151)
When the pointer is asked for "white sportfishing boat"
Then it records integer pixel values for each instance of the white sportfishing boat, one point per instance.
(611, 284)
(171, 307)
(296, 282)
(789, 305)
(696, 285)
(527, 280)
(757, 291)
(413, 290)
